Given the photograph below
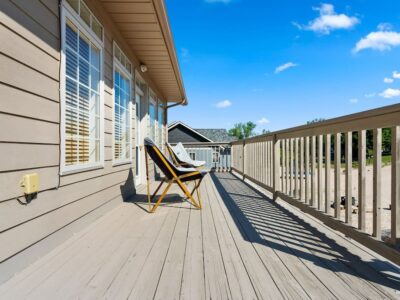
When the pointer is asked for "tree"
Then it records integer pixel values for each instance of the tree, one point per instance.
(317, 120)
(242, 130)
(265, 131)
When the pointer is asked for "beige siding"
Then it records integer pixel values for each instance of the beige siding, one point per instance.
(30, 138)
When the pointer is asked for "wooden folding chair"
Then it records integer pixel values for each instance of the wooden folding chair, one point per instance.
(173, 174)
(182, 158)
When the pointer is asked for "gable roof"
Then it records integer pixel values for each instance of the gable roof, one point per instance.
(219, 135)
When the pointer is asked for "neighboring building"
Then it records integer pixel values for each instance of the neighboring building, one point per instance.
(180, 132)
(82, 84)
(197, 142)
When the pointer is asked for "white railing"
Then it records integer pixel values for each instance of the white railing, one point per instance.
(312, 167)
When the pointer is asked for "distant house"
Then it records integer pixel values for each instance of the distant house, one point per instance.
(197, 142)
(180, 132)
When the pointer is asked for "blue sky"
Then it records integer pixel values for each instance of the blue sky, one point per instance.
(282, 63)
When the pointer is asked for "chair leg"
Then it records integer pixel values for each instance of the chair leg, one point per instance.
(157, 189)
(161, 197)
(187, 193)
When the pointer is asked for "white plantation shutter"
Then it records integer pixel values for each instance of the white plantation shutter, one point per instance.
(82, 98)
(122, 99)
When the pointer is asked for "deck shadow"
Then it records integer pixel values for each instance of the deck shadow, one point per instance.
(261, 220)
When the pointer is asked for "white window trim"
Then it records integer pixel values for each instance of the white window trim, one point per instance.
(68, 12)
(127, 74)
(161, 132)
(153, 100)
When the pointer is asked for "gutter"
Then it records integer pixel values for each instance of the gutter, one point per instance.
(182, 102)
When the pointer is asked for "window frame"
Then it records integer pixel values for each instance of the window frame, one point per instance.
(117, 65)
(192, 153)
(153, 101)
(68, 13)
(160, 125)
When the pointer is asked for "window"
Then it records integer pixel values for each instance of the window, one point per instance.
(86, 16)
(161, 126)
(192, 155)
(152, 115)
(215, 155)
(122, 107)
(81, 86)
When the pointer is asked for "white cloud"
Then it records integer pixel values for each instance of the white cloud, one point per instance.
(263, 121)
(185, 55)
(284, 67)
(328, 20)
(383, 39)
(370, 95)
(396, 75)
(390, 93)
(223, 104)
(388, 80)
(353, 100)
(385, 27)
(219, 1)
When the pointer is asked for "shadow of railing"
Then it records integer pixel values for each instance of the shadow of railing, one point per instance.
(261, 220)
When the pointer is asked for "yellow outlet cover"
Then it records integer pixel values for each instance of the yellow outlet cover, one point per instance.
(30, 183)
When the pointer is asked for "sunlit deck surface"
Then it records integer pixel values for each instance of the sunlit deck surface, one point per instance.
(241, 245)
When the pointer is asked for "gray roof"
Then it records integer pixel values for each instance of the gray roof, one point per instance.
(216, 135)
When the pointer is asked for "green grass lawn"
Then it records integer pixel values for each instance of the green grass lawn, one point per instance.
(386, 160)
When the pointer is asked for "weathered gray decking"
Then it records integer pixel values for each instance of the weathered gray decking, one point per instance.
(241, 245)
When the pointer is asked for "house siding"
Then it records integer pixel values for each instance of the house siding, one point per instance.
(30, 138)
(184, 135)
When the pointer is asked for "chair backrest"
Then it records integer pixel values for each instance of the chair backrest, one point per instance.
(180, 153)
(159, 158)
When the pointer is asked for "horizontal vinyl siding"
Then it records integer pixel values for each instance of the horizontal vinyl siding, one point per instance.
(29, 140)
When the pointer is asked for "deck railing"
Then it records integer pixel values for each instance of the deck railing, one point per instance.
(320, 167)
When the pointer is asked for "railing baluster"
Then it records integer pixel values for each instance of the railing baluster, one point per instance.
(296, 168)
(320, 189)
(313, 166)
(283, 186)
(271, 162)
(395, 202)
(362, 148)
(338, 156)
(291, 169)
(287, 167)
(267, 159)
(301, 175)
(376, 204)
(327, 173)
(276, 166)
(264, 165)
(348, 153)
(307, 171)
(265, 156)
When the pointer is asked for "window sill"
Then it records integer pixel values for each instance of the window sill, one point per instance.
(121, 163)
(81, 169)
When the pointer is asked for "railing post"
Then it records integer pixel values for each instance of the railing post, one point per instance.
(338, 156)
(362, 148)
(276, 166)
(243, 160)
(395, 205)
(348, 168)
(327, 173)
(376, 197)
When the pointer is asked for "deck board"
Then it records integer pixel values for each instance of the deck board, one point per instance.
(241, 245)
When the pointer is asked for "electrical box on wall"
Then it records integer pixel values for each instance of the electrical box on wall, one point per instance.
(30, 183)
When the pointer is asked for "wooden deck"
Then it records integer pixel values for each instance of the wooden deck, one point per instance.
(240, 246)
